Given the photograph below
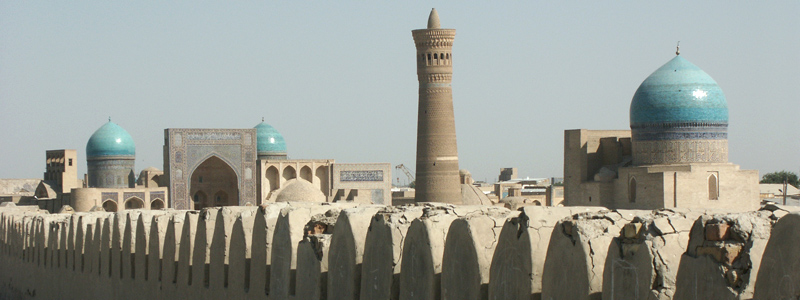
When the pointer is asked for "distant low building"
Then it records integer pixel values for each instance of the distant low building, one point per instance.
(18, 190)
(774, 192)
(528, 191)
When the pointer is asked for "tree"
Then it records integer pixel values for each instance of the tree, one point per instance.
(779, 177)
(413, 184)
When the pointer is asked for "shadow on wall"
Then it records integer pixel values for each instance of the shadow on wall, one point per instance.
(431, 251)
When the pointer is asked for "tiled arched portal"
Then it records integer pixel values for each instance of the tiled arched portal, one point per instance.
(214, 177)
(188, 148)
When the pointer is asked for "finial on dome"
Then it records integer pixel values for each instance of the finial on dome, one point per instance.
(109, 118)
(433, 20)
(678, 51)
(262, 119)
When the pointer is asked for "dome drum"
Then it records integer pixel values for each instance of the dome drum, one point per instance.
(679, 152)
(680, 131)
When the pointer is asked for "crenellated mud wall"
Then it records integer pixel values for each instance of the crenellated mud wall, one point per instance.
(426, 251)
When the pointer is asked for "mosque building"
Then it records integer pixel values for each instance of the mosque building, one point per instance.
(675, 155)
(110, 183)
(203, 168)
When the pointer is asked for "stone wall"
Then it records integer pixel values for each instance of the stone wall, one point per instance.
(426, 251)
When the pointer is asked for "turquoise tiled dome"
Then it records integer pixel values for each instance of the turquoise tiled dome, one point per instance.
(270, 141)
(110, 140)
(678, 92)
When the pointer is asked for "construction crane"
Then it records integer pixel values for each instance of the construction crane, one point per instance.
(405, 170)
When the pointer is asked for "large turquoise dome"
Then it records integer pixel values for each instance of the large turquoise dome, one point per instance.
(270, 141)
(678, 92)
(679, 115)
(110, 140)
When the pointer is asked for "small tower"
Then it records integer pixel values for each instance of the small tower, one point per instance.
(62, 168)
(437, 177)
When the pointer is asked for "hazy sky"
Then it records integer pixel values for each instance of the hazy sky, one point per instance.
(338, 80)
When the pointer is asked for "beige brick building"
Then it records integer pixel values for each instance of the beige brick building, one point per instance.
(675, 155)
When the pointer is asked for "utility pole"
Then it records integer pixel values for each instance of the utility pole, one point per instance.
(785, 182)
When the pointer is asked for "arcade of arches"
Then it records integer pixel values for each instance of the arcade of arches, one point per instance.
(214, 183)
(354, 182)
(314, 173)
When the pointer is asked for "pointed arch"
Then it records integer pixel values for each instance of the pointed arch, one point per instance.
(713, 187)
(289, 173)
(217, 156)
(217, 175)
(156, 204)
(199, 199)
(321, 179)
(221, 199)
(110, 206)
(305, 173)
(273, 178)
(134, 203)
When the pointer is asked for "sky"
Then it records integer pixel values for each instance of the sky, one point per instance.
(338, 78)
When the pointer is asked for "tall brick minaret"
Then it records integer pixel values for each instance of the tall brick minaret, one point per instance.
(437, 153)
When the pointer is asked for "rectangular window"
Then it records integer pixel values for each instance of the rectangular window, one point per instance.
(70, 162)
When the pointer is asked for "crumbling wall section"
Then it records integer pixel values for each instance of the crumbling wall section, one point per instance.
(468, 251)
(779, 274)
(577, 251)
(422, 251)
(642, 262)
(383, 251)
(723, 255)
(518, 262)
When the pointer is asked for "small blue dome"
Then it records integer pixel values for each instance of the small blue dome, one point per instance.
(270, 141)
(678, 93)
(110, 140)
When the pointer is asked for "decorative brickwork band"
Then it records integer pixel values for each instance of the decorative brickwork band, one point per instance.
(128, 195)
(681, 151)
(434, 38)
(680, 131)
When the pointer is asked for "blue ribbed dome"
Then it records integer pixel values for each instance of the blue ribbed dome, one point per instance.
(110, 140)
(678, 93)
(270, 141)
